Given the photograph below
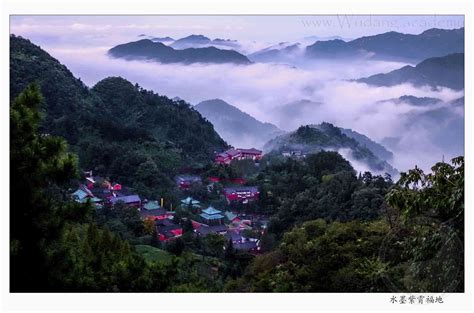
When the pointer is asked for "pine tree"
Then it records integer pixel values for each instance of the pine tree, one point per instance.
(39, 164)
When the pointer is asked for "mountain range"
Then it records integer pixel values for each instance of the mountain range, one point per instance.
(393, 46)
(147, 49)
(281, 52)
(326, 136)
(409, 48)
(199, 41)
(118, 129)
(446, 71)
(241, 129)
(415, 101)
(444, 119)
(162, 39)
(236, 127)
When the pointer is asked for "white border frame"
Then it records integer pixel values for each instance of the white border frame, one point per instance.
(220, 302)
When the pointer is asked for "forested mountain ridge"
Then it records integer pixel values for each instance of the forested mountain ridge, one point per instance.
(65, 95)
(325, 136)
(446, 71)
(415, 101)
(61, 245)
(159, 52)
(200, 41)
(376, 148)
(117, 128)
(393, 45)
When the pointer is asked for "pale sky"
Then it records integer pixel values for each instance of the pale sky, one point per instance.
(108, 30)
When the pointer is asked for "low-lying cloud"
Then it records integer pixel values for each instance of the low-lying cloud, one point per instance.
(263, 89)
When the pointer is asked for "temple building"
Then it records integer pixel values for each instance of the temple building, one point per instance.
(211, 216)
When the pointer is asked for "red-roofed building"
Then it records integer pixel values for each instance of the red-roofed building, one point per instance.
(116, 187)
(155, 214)
(186, 181)
(242, 194)
(238, 154)
(167, 230)
(196, 225)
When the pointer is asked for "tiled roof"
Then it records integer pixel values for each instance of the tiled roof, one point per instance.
(92, 200)
(166, 225)
(250, 151)
(153, 212)
(126, 199)
(246, 246)
(232, 152)
(211, 217)
(218, 228)
(151, 205)
(80, 194)
(229, 215)
(233, 235)
(190, 178)
(210, 211)
(205, 230)
(253, 189)
(189, 201)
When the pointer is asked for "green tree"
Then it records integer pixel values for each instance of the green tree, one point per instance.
(175, 246)
(213, 245)
(321, 257)
(54, 244)
(430, 232)
(39, 166)
(149, 226)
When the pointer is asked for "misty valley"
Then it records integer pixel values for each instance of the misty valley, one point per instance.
(152, 162)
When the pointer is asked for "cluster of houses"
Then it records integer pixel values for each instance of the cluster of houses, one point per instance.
(100, 192)
(234, 227)
(228, 156)
(184, 182)
(243, 194)
(208, 221)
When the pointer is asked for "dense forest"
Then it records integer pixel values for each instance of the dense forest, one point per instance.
(330, 228)
(117, 129)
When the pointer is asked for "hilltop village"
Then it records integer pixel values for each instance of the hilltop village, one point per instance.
(242, 229)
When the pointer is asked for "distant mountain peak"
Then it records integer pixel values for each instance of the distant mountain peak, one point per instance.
(446, 71)
(326, 136)
(438, 31)
(159, 52)
(195, 37)
(162, 39)
(422, 101)
(224, 40)
(392, 46)
(235, 126)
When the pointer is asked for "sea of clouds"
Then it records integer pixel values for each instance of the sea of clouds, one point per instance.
(265, 90)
